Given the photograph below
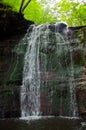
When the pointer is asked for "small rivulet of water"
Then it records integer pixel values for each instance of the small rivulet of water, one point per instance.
(48, 85)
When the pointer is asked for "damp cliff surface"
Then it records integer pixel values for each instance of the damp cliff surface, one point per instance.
(10, 86)
(12, 28)
(61, 63)
(11, 67)
(80, 58)
(52, 68)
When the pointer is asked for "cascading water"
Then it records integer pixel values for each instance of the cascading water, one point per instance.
(30, 89)
(48, 86)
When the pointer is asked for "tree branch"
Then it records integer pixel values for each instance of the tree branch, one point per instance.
(22, 3)
(23, 8)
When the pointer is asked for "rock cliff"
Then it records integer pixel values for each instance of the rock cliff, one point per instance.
(12, 29)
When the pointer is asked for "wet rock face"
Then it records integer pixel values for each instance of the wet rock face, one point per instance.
(81, 93)
(9, 101)
(76, 38)
(79, 34)
(10, 91)
(12, 28)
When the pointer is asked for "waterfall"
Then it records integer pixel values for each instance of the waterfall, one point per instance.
(72, 85)
(48, 85)
(30, 89)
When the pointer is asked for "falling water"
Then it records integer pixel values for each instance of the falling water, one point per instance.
(72, 85)
(48, 86)
(30, 89)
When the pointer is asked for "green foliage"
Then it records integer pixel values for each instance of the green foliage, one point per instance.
(15, 4)
(33, 12)
(70, 11)
(37, 13)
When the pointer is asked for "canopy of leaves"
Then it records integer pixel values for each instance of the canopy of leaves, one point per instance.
(74, 13)
(40, 11)
(15, 4)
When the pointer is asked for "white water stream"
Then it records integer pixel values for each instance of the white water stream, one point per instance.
(39, 40)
